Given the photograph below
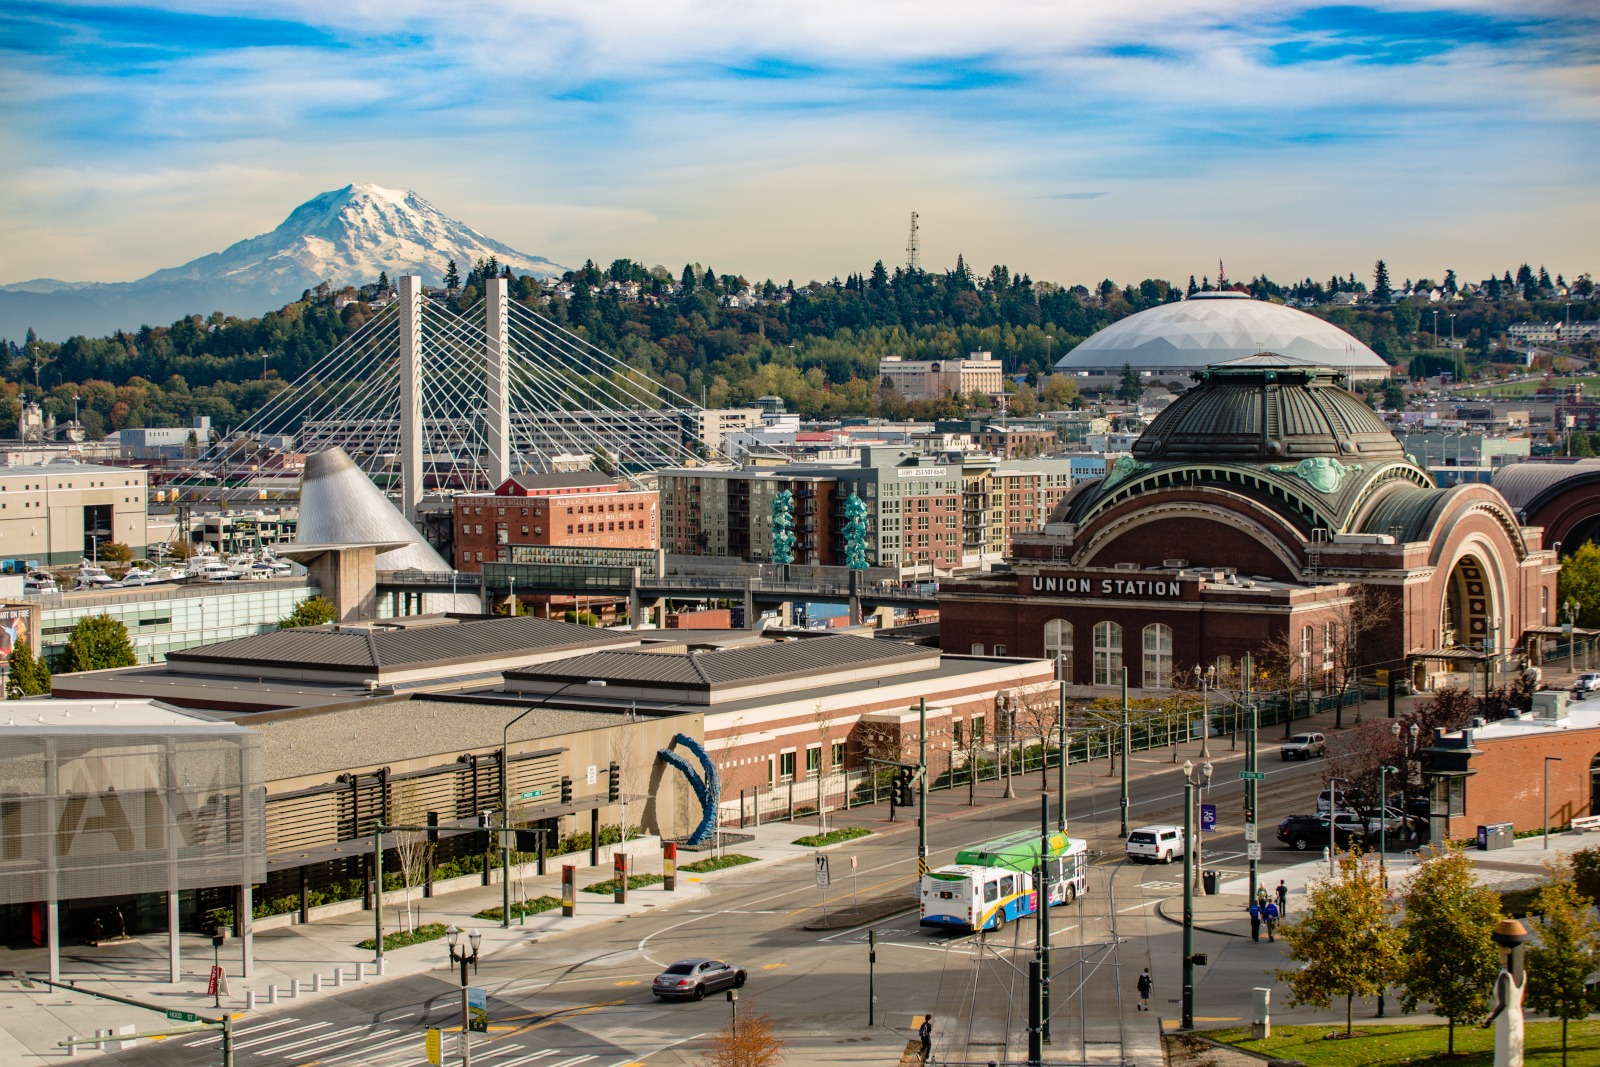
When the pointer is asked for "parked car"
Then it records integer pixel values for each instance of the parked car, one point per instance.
(693, 979)
(1304, 832)
(1392, 821)
(1157, 844)
(1304, 746)
(1586, 684)
(1348, 801)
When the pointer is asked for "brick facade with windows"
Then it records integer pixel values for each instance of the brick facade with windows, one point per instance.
(567, 510)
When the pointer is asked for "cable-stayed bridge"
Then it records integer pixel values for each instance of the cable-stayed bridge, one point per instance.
(424, 398)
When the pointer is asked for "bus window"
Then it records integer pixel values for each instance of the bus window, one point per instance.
(990, 892)
(1005, 886)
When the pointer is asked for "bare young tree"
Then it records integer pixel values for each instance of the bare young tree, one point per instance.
(1035, 712)
(1354, 624)
(411, 847)
(625, 750)
(824, 723)
(749, 1039)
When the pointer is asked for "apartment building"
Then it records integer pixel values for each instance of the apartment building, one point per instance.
(584, 509)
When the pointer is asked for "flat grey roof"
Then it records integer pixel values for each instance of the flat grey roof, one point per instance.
(366, 649)
(337, 739)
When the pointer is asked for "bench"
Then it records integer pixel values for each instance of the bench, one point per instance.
(1586, 823)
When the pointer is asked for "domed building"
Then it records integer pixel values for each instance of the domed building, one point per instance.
(1265, 510)
(1172, 341)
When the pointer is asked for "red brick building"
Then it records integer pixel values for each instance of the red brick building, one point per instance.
(583, 509)
(1264, 507)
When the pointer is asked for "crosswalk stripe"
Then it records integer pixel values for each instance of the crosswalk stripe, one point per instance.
(242, 1032)
(369, 1049)
(530, 1059)
(237, 1045)
(275, 1050)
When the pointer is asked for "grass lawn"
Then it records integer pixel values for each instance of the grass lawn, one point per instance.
(1379, 1046)
(716, 863)
(833, 837)
(635, 881)
(522, 907)
(425, 932)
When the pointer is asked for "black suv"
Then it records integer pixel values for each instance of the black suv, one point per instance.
(1303, 832)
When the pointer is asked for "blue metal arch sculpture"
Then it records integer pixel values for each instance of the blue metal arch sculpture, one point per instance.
(707, 787)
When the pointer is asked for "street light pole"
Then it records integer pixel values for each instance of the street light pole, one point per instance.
(505, 797)
(1191, 779)
(1123, 760)
(463, 957)
(1547, 761)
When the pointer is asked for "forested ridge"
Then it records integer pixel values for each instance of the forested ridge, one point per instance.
(722, 340)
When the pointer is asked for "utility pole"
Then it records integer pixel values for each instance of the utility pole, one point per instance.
(922, 787)
(1124, 754)
(1251, 761)
(1061, 765)
(1043, 895)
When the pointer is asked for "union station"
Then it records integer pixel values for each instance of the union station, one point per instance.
(1267, 508)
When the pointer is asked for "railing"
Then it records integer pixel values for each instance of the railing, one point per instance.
(458, 579)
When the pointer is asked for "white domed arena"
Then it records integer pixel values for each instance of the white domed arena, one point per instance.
(1171, 342)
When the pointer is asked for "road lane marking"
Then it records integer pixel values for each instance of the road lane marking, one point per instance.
(274, 1050)
(1136, 907)
(274, 1037)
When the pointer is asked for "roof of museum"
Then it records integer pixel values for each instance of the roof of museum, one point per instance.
(398, 645)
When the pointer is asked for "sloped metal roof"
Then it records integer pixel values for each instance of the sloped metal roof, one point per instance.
(730, 666)
(1528, 483)
(391, 648)
(339, 503)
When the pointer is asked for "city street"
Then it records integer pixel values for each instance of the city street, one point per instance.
(585, 998)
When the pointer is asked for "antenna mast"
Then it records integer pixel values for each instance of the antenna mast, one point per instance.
(913, 251)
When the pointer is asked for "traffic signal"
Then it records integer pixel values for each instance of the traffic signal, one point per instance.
(483, 820)
(903, 795)
(433, 827)
(528, 840)
(566, 790)
(613, 782)
(1249, 812)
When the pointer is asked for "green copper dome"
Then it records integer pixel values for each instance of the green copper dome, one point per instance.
(1267, 409)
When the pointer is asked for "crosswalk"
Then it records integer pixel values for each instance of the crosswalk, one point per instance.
(292, 1042)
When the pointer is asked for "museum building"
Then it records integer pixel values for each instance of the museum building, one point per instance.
(1262, 510)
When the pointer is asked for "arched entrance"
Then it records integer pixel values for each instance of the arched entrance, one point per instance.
(1468, 606)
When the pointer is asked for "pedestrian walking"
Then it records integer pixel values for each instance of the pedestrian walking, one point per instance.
(1255, 921)
(925, 1032)
(1283, 898)
(1146, 983)
(1272, 916)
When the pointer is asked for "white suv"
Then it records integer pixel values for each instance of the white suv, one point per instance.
(1158, 844)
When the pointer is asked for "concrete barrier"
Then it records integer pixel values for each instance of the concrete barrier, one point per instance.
(294, 988)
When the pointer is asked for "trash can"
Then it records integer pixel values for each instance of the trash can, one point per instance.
(1495, 835)
(1208, 882)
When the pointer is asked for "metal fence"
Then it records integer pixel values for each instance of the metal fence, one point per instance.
(965, 768)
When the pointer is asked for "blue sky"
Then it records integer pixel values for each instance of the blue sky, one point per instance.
(1069, 139)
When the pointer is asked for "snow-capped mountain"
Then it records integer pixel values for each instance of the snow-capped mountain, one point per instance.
(344, 237)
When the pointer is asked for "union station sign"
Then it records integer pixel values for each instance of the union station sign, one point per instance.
(1121, 586)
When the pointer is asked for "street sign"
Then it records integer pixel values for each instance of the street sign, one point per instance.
(183, 1016)
(215, 981)
(533, 793)
(1252, 850)
(1208, 818)
(823, 878)
(434, 1045)
(1249, 831)
(1253, 776)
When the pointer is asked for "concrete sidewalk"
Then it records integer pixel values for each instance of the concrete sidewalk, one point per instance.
(298, 962)
(301, 961)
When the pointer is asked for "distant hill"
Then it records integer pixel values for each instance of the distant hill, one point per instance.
(343, 237)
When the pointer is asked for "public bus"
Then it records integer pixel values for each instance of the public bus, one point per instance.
(991, 884)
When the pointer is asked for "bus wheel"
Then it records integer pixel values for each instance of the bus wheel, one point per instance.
(999, 921)
(1072, 893)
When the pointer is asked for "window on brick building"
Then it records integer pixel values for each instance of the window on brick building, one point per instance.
(1157, 656)
(786, 766)
(836, 758)
(1058, 647)
(1107, 653)
(813, 760)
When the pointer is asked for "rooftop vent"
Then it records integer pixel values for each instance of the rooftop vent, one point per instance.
(1177, 563)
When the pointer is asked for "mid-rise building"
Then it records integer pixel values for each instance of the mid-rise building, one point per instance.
(934, 379)
(61, 512)
(576, 509)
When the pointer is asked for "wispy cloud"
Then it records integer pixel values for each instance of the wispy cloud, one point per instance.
(794, 139)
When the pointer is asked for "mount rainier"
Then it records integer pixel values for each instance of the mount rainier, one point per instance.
(344, 237)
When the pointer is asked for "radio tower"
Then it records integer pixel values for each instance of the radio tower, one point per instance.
(913, 253)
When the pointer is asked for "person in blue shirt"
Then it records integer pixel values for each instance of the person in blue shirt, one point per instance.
(1271, 915)
(1255, 921)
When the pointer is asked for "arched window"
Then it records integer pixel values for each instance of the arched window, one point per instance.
(1157, 656)
(1107, 653)
(1058, 647)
